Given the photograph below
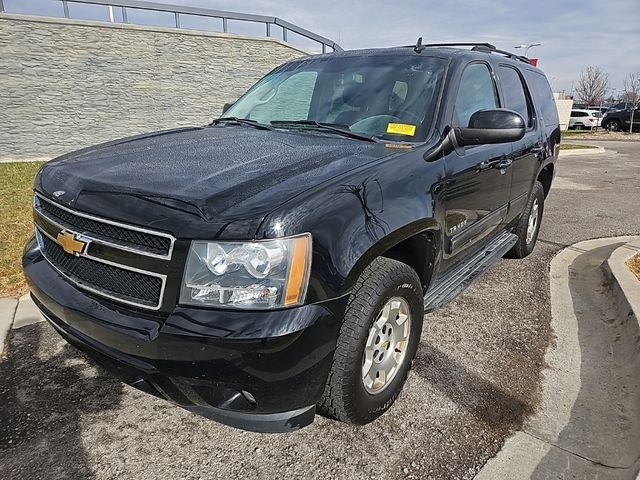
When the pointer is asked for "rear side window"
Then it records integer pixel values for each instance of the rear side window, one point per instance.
(543, 97)
(476, 92)
(515, 97)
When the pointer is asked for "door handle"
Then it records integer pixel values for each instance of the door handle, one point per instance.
(503, 164)
(537, 149)
(485, 165)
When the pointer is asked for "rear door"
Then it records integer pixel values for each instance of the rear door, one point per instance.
(525, 156)
(477, 192)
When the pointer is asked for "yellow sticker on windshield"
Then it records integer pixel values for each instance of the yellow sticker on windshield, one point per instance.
(401, 129)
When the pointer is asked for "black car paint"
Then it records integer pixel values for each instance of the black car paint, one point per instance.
(358, 200)
(623, 118)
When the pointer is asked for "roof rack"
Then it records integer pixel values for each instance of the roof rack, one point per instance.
(475, 46)
(482, 48)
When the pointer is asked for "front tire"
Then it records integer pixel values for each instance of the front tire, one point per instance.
(376, 345)
(614, 125)
(529, 224)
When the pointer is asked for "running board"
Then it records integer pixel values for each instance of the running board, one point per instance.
(454, 282)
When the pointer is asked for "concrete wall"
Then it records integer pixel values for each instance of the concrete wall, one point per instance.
(65, 84)
(564, 112)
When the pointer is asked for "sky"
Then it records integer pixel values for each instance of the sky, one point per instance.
(574, 33)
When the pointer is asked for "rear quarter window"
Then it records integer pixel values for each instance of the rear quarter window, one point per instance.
(542, 97)
(513, 92)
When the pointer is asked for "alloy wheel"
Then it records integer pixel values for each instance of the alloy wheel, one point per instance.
(386, 346)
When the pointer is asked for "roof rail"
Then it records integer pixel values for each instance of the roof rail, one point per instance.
(421, 45)
(513, 56)
(476, 47)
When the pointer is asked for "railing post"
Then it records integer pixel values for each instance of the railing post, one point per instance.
(268, 25)
(224, 24)
(284, 34)
(111, 19)
(324, 48)
(65, 7)
(1, 6)
(124, 15)
(177, 19)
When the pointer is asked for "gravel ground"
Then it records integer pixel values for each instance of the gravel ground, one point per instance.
(475, 378)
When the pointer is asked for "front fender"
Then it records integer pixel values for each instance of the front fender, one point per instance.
(359, 216)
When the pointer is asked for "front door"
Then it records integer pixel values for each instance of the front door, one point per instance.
(478, 182)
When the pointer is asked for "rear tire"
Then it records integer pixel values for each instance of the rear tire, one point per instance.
(529, 224)
(374, 338)
(614, 125)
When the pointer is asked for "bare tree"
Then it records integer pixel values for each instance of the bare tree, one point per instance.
(593, 85)
(632, 94)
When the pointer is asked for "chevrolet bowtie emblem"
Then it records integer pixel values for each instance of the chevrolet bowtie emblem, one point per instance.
(69, 243)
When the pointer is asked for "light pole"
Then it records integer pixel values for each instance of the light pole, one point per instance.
(527, 47)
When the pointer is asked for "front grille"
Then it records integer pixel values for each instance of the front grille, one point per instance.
(106, 280)
(105, 230)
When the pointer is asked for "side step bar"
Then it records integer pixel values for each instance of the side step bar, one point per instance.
(449, 286)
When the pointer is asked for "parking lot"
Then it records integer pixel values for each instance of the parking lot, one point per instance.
(475, 379)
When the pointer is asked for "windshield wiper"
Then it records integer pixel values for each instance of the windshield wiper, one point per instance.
(329, 127)
(242, 121)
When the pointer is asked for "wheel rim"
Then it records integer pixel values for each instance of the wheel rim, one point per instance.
(533, 221)
(614, 126)
(386, 346)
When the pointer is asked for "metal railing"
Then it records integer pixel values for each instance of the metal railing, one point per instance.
(225, 16)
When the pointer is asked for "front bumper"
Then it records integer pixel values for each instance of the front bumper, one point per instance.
(260, 371)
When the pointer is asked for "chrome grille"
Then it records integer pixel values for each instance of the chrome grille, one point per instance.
(127, 237)
(133, 287)
(94, 269)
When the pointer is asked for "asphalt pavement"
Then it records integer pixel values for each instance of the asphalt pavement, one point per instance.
(476, 378)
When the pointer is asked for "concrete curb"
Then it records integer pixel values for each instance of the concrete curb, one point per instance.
(585, 151)
(587, 425)
(17, 313)
(7, 312)
(26, 313)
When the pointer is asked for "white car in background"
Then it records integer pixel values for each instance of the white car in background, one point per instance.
(584, 119)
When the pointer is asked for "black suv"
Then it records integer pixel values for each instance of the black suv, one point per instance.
(279, 262)
(618, 120)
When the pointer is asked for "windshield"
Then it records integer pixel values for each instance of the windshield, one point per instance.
(390, 97)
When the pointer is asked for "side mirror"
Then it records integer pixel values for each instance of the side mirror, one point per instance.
(227, 106)
(491, 126)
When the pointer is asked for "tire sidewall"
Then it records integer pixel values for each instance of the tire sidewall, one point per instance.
(370, 406)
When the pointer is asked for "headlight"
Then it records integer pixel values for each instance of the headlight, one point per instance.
(257, 275)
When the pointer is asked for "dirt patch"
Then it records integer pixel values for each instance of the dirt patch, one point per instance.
(634, 265)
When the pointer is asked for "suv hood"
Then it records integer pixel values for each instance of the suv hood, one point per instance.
(216, 175)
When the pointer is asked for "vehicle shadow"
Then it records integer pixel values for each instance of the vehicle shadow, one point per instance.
(46, 388)
(475, 394)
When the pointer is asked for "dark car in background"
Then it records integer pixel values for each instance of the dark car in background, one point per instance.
(279, 261)
(620, 120)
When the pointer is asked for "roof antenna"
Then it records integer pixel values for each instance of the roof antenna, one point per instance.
(419, 47)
